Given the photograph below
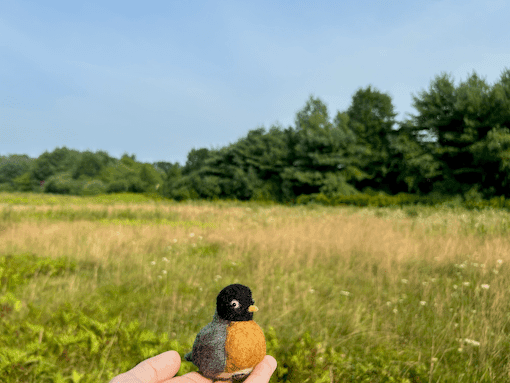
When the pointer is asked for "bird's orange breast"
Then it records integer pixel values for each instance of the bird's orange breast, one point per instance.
(245, 345)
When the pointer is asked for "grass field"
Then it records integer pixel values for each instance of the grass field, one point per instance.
(91, 286)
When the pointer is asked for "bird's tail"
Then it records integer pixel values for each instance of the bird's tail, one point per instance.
(188, 356)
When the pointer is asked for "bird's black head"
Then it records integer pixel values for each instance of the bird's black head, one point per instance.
(234, 303)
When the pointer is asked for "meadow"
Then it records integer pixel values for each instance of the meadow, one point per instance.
(91, 286)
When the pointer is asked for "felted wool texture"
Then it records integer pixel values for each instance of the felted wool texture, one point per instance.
(245, 346)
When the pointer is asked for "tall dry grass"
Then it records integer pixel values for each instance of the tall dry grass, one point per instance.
(354, 278)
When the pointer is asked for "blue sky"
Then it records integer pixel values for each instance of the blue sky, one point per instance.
(158, 78)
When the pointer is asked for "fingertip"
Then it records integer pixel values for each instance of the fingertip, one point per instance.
(165, 365)
(271, 362)
(175, 356)
(263, 371)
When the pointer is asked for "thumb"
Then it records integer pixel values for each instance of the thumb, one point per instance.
(262, 373)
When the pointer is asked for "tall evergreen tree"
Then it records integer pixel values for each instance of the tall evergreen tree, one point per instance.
(318, 153)
(459, 120)
(371, 119)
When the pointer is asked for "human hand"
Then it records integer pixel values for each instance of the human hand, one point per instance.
(163, 367)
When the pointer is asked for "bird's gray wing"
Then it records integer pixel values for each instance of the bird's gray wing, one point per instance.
(209, 349)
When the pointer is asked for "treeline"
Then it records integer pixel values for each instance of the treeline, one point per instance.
(457, 144)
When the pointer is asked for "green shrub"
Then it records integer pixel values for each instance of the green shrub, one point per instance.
(94, 187)
(320, 199)
(303, 199)
(120, 186)
(62, 183)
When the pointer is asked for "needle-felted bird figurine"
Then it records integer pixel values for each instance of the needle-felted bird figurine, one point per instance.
(232, 344)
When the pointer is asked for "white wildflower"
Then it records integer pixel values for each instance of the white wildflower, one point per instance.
(175, 240)
(455, 287)
(495, 271)
(153, 263)
(346, 293)
(472, 342)
(500, 261)
(404, 281)
(485, 286)
(191, 235)
(164, 271)
(465, 283)
(423, 303)
(424, 283)
(165, 259)
(395, 311)
(312, 291)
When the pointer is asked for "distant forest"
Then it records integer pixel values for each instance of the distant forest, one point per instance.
(458, 143)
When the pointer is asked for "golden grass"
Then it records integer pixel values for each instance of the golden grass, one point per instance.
(337, 272)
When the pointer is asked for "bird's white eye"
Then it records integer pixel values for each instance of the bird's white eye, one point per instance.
(235, 304)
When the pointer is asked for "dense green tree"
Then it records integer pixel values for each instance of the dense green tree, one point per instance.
(261, 156)
(12, 167)
(173, 175)
(150, 177)
(224, 168)
(371, 119)
(412, 168)
(163, 167)
(459, 121)
(492, 157)
(122, 176)
(26, 183)
(196, 159)
(89, 165)
(318, 153)
(246, 169)
(58, 161)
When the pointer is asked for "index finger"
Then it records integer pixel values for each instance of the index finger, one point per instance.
(153, 370)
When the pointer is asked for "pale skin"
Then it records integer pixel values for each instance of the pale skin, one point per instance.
(163, 367)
